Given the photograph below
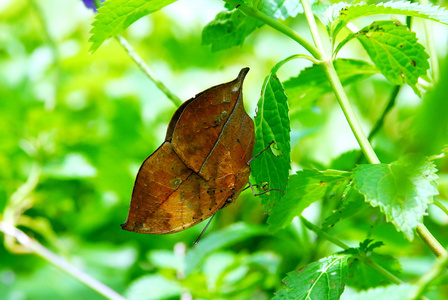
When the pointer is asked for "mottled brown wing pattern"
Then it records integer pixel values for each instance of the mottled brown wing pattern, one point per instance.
(200, 168)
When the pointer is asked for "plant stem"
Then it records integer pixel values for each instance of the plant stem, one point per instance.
(313, 28)
(337, 242)
(426, 280)
(431, 241)
(144, 67)
(59, 262)
(323, 234)
(349, 113)
(381, 270)
(335, 82)
(255, 13)
(441, 206)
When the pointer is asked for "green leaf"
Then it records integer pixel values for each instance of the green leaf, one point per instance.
(272, 124)
(228, 29)
(402, 190)
(340, 14)
(226, 237)
(153, 287)
(304, 188)
(313, 83)
(323, 279)
(114, 16)
(395, 51)
(363, 276)
(281, 9)
(391, 292)
(351, 204)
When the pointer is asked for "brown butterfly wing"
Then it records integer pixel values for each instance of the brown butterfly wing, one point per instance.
(200, 168)
(203, 121)
(168, 197)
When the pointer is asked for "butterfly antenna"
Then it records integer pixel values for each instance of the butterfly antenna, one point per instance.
(203, 231)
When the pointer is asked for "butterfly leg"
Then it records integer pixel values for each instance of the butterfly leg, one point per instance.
(258, 154)
(203, 230)
(264, 192)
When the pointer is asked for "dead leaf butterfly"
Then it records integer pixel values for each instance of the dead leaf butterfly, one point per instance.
(201, 167)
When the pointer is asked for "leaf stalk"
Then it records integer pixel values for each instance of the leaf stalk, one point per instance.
(144, 67)
(255, 13)
(337, 242)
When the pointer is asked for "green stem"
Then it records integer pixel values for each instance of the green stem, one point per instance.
(381, 270)
(59, 262)
(431, 241)
(336, 84)
(337, 242)
(349, 113)
(313, 28)
(144, 67)
(323, 234)
(441, 206)
(432, 275)
(21, 199)
(255, 13)
(289, 58)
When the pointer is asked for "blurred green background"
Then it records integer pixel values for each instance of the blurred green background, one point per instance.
(75, 127)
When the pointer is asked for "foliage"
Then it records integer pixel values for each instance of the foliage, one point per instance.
(402, 189)
(75, 128)
(323, 279)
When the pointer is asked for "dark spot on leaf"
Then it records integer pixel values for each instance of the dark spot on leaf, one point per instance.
(413, 63)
